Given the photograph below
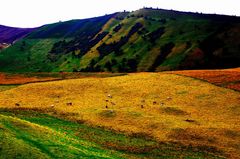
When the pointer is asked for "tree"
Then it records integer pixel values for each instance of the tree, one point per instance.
(108, 66)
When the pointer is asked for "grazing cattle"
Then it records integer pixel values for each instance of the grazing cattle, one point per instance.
(17, 104)
(154, 103)
(189, 120)
(109, 96)
(69, 104)
(142, 106)
(106, 107)
(107, 100)
(169, 98)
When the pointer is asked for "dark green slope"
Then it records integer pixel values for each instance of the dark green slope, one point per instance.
(144, 40)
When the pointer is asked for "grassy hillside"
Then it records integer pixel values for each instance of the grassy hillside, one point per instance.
(31, 138)
(29, 134)
(144, 40)
(162, 107)
(40, 48)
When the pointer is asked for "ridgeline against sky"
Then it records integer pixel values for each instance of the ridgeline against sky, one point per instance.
(139, 41)
(28, 13)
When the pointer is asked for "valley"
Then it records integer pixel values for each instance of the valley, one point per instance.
(150, 83)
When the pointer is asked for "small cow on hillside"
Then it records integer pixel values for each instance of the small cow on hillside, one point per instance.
(69, 104)
(17, 104)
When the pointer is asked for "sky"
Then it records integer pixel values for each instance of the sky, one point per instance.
(34, 13)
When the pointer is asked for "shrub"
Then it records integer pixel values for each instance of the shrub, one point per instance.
(106, 49)
(165, 50)
(117, 28)
(128, 65)
(153, 36)
(163, 21)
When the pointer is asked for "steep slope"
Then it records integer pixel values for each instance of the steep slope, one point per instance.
(8, 35)
(39, 50)
(144, 40)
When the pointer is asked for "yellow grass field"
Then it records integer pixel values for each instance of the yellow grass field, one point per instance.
(168, 107)
(8, 79)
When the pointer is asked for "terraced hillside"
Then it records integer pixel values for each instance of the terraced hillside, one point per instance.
(144, 40)
(155, 114)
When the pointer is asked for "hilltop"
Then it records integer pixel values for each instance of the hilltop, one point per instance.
(143, 40)
(9, 35)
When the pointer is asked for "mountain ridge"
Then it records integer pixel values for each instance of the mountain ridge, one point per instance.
(143, 40)
(10, 34)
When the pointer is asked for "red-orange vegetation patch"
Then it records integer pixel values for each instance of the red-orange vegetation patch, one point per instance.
(234, 86)
(229, 78)
(21, 79)
(6, 79)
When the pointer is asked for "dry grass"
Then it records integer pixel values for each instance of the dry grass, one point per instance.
(7, 79)
(18, 79)
(229, 78)
(166, 106)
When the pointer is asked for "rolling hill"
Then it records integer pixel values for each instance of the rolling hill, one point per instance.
(143, 40)
(8, 35)
(151, 115)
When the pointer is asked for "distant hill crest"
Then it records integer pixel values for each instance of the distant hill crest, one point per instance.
(144, 40)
